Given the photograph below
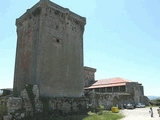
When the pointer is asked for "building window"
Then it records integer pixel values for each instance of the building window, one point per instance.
(122, 89)
(101, 90)
(116, 89)
(57, 41)
(96, 89)
(109, 89)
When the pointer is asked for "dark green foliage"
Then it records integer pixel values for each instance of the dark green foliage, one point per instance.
(45, 101)
(31, 96)
(3, 107)
(155, 102)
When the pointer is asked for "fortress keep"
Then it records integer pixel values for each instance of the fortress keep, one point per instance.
(50, 51)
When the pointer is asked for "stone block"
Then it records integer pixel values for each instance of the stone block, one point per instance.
(14, 104)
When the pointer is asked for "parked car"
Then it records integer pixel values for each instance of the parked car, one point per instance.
(140, 105)
(124, 106)
(130, 106)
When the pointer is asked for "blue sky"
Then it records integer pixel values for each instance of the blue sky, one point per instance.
(121, 38)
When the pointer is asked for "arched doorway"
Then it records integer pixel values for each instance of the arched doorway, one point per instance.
(115, 101)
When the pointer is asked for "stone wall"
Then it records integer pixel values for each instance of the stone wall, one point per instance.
(109, 100)
(24, 106)
(136, 90)
(27, 105)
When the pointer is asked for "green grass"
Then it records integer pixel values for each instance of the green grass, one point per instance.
(101, 115)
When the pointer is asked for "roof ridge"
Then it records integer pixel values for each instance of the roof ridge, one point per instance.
(111, 78)
(107, 83)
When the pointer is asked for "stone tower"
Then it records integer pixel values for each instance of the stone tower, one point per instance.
(89, 76)
(50, 51)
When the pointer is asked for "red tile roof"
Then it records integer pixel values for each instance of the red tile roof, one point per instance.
(110, 82)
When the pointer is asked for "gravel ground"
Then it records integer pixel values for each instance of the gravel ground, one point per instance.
(140, 114)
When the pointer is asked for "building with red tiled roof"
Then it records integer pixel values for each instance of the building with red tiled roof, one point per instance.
(127, 91)
(110, 82)
(112, 85)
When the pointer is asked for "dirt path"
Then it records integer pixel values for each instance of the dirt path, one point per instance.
(140, 114)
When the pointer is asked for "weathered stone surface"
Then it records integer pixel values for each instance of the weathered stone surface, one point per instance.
(36, 92)
(136, 90)
(38, 106)
(68, 105)
(7, 117)
(21, 107)
(14, 104)
(26, 101)
(108, 100)
(50, 51)
(89, 77)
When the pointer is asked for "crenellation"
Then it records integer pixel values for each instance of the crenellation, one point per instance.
(50, 9)
(37, 11)
(66, 14)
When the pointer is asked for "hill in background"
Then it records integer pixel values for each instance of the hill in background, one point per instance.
(153, 97)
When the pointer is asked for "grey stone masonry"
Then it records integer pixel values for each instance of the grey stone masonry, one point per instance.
(50, 51)
(89, 76)
(20, 107)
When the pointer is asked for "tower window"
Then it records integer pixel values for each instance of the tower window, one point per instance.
(57, 40)
(56, 26)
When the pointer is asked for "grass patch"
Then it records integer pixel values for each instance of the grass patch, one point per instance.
(100, 115)
(103, 115)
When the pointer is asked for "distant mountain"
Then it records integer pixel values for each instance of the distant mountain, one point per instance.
(153, 97)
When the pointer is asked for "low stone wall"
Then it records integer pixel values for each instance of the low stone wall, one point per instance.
(23, 106)
(108, 100)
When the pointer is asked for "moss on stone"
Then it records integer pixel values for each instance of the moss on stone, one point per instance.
(31, 96)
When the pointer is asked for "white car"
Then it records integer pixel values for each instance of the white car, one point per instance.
(140, 105)
(130, 106)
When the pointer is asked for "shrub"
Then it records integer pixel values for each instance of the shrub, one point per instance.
(3, 107)
(155, 102)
